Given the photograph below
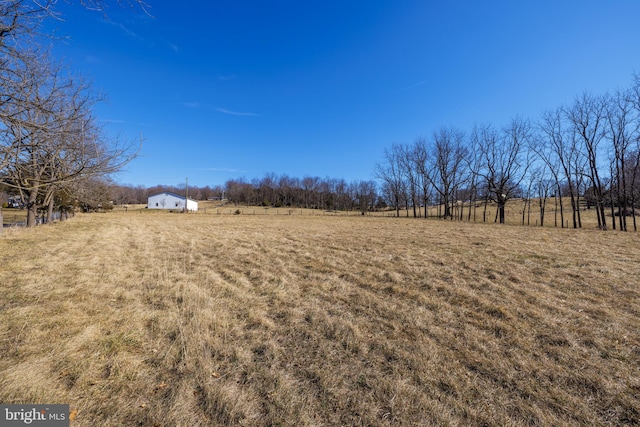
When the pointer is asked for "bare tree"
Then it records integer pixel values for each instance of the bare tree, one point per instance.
(559, 149)
(619, 121)
(421, 157)
(448, 153)
(406, 162)
(504, 164)
(544, 186)
(587, 116)
(390, 172)
(365, 195)
(633, 171)
(473, 163)
(52, 137)
(33, 126)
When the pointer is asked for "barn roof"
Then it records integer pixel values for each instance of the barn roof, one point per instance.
(172, 194)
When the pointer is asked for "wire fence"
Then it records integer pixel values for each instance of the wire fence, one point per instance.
(20, 220)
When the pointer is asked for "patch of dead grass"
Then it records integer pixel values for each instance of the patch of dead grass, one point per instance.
(267, 320)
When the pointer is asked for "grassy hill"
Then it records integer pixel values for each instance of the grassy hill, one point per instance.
(201, 319)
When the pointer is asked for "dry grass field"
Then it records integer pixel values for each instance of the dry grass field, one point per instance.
(197, 320)
(513, 212)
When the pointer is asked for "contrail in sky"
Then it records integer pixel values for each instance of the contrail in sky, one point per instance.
(414, 85)
(235, 113)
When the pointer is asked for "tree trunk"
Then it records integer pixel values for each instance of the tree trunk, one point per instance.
(600, 207)
(426, 201)
(561, 212)
(575, 207)
(397, 206)
(578, 210)
(50, 211)
(32, 209)
(613, 211)
(32, 216)
(484, 215)
(413, 200)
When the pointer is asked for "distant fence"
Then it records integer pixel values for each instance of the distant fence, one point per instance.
(15, 220)
(276, 211)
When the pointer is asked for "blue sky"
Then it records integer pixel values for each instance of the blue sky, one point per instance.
(228, 89)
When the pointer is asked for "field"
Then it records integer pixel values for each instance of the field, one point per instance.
(185, 320)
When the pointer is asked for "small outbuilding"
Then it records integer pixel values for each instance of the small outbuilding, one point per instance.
(171, 201)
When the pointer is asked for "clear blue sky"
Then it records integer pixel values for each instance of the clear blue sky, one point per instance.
(228, 89)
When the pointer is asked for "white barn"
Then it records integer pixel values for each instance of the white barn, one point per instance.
(171, 201)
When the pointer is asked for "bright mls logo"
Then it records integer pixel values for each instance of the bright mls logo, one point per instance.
(34, 415)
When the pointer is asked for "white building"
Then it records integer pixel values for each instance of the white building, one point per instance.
(171, 201)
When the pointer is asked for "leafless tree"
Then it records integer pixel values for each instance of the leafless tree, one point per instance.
(51, 136)
(448, 154)
(544, 187)
(405, 155)
(473, 164)
(620, 132)
(505, 161)
(633, 178)
(93, 194)
(587, 117)
(38, 109)
(365, 195)
(390, 173)
(559, 149)
(421, 157)
(633, 171)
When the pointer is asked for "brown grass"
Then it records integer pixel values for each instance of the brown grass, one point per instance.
(513, 212)
(284, 320)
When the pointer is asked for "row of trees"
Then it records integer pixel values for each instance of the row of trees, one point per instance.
(586, 152)
(271, 190)
(127, 194)
(53, 153)
(308, 192)
(488, 164)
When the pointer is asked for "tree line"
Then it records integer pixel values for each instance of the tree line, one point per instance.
(582, 155)
(585, 153)
(55, 155)
(270, 191)
(307, 192)
(53, 151)
(122, 194)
